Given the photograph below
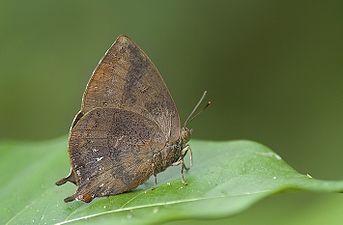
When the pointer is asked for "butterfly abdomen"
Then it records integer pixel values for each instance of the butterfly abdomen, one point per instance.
(167, 156)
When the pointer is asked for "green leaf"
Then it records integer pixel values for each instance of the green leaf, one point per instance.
(227, 177)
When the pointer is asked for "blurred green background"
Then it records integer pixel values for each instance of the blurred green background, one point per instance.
(273, 70)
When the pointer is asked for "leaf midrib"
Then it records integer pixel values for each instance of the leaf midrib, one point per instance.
(121, 209)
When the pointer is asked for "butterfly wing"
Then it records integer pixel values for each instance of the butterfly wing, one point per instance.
(111, 151)
(125, 78)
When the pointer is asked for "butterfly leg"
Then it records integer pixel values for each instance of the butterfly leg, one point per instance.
(184, 151)
(154, 169)
(71, 178)
(181, 163)
(182, 168)
(155, 175)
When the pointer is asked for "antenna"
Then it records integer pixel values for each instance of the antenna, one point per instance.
(192, 115)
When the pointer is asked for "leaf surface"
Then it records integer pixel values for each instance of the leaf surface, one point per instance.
(227, 177)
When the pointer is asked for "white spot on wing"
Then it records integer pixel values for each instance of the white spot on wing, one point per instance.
(118, 141)
(100, 158)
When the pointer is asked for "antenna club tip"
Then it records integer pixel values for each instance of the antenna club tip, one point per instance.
(208, 104)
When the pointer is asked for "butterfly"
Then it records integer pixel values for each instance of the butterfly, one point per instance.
(128, 128)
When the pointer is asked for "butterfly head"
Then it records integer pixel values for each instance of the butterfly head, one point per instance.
(186, 134)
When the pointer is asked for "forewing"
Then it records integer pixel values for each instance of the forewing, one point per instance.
(111, 151)
(126, 78)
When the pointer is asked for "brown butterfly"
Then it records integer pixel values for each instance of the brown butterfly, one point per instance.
(128, 127)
